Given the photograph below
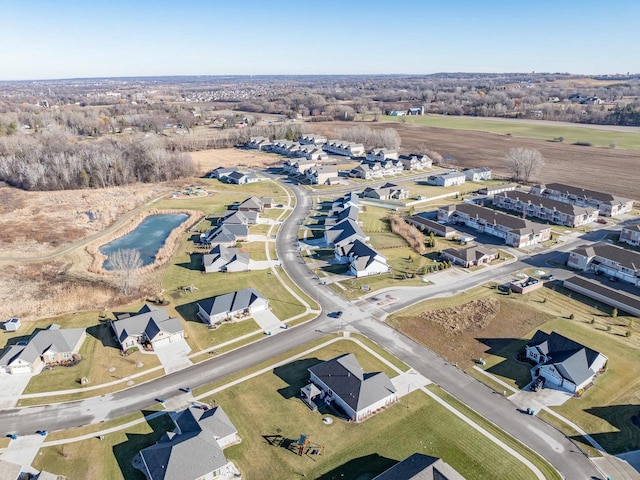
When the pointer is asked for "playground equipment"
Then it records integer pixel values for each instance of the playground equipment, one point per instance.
(304, 445)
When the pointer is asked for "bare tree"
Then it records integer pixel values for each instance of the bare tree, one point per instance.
(125, 263)
(524, 164)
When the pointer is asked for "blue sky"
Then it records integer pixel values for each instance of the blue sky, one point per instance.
(65, 38)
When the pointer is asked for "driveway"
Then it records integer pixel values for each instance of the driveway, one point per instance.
(173, 356)
(23, 450)
(268, 322)
(263, 264)
(546, 396)
(408, 382)
(11, 387)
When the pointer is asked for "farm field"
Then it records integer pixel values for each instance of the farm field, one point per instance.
(472, 148)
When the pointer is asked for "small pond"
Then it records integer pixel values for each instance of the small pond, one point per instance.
(147, 238)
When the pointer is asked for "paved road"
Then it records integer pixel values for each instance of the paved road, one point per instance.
(366, 317)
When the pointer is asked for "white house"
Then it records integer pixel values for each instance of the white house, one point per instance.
(415, 161)
(447, 179)
(342, 380)
(564, 362)
(477, 174)
(240, 305)
(381, 154)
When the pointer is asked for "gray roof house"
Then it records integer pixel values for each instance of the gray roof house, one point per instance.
(344, 232)
(240, 304)
(220, 172)
(193, 451)
(420, 467)
(225, 259)
(471, 256)
(388, 191)
(564, 362)
(347, 212)
(363, 260)
(150, 325)
(607, 259)
(357, 393)
(226, 234)
(244, 217)
(45, 347)
(241, 178)
(257, 204)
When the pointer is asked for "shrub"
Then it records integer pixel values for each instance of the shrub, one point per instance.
(572, 316)
(627, 333)
(614, 313)
(583, 144)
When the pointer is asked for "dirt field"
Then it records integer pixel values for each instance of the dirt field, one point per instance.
(466, 332)
(604, 169)
(207, 160)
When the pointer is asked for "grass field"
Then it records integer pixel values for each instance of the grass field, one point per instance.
(571, 134)
(267, 405)
(108, 459)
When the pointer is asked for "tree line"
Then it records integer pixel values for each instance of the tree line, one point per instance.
(54, 160)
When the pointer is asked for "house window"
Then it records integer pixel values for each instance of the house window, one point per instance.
(66, 355)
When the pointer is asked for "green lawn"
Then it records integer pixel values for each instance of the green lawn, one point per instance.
(108, 459)
(256, 250)
(571, 134)
(267, 405)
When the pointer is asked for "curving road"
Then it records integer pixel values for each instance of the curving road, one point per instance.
(366, 317)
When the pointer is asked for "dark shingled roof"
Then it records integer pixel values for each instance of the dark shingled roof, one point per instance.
(345, 377)
(584, 193)
(625, 257)
(515, 224)
(420, 467)
(562, 207)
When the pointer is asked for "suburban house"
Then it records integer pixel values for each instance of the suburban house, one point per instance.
(257, 204)
(351, 199)
(340, 215)
(381, 154)
(477, 174)
(284, 147)
(193, 451)
(347, 149)
(342, 381)
(495, 189)
(420, 467)
(609, 205)
(240, 304)
(241, 178)
(149, 326)
(631, 234)
(614, 297)
(344, 232)
(605, 258)
(246, 217)
(311, 139)
(388, 191)
(516, 232)
(367, 171)
(470, 257)
(259, 143)
(220, 172)
(545, 209)
(227, 234)
(321, 175)
(563, 362)
(415, 161)
(312, 152)
(363, 260)
(51, 346)
(225, 259)
(447, 179)
(425, 224)
(297, 166)
(391, 167)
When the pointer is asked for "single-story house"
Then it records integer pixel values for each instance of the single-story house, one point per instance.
(420, 467)
(447, 179)
(193, 451)
(470, 257)
(344, 232)
(150, 325)
(388, 191)
(343, 381)
(220, 172)
(240, 304)
(226, 234)
(477, 174)
(51, 346)
(564, 362)
(363, 260)
(241, 178)
(341, 215)
(351, 199)
(225, 259)
(246, 217)
(258, 204)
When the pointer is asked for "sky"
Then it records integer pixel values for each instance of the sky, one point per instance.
(46, 39)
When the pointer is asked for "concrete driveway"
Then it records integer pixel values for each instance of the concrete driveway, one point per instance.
(173, 356)
(408, 382)
(547, 397)
(268, 321)
(23, 450)
(11, 387)
(263, 264)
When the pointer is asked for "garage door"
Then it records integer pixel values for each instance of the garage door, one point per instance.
(21, 369)
(162, 341)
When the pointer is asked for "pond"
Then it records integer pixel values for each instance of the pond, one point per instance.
(147, 238)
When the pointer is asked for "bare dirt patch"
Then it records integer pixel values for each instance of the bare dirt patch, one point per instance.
(597, 168)
(207, 160)
(469, 331)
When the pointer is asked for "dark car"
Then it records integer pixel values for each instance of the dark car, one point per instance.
(504, 288)
(537, 384)
(337, 314)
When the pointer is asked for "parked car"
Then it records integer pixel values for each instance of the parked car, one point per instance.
(550, 277)
(601, 220)
(337, 314)
(537, 384)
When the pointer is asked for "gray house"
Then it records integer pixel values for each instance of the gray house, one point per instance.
(420, 467)
(150, 325)
(193, 451)
(225, 259)
(240, 304)
(341, 380)
(346, 231)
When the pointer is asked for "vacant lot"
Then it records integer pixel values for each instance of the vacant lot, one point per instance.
(207, 160)
(598, 168)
